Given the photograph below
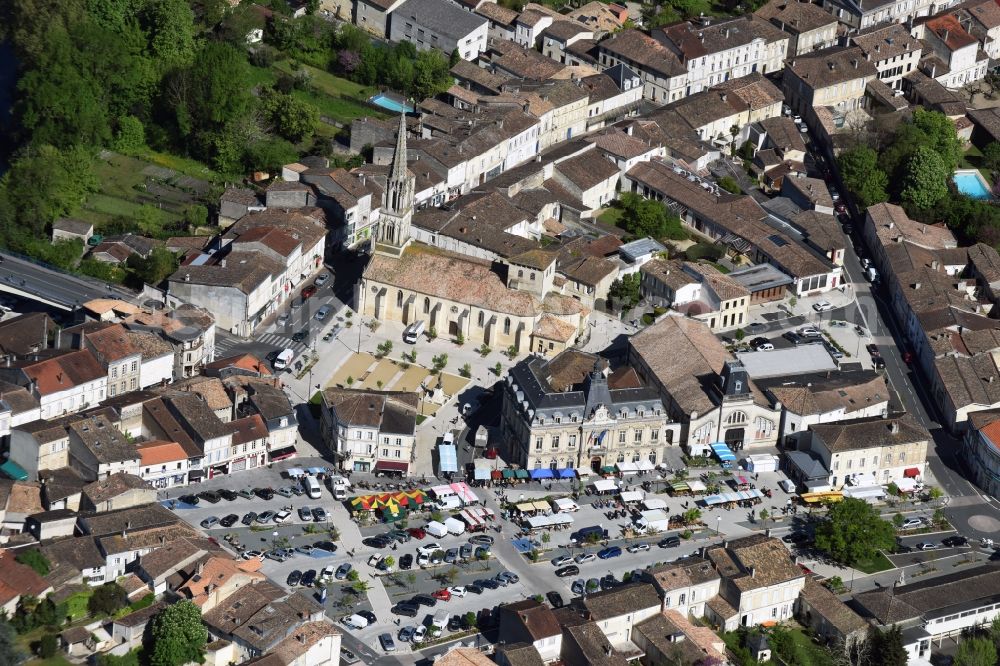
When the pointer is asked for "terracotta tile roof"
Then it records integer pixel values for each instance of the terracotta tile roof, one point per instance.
(833, 610)
(17, 579)
(110, 344)
(893, 225)
(587, 170)
(795, 17)
(147, 538)
(832, 66)
(636, 48)
(947, 28)
(450, 277)
(684, 357)
(215, 572)
(463, 656)
(389, 411)
(303, 638)
(496, 13)
(245, 271)
(608, 604)
(113, 486)
(852, 394)
(77, 552)
(247, 429)
(870, 433)
(536, 617)
(63, 372)
(550, 327)
(25, 497)
(149, 345)
(620, 144)
(242, 361)
(662, 631)
(754, 561)
(683, 573)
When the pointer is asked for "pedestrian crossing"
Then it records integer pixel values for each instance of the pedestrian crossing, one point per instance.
(281, 341)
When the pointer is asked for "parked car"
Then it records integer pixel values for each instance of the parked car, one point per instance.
(322, 279)
(443, 594)
(481, 539)
(670, 542)
(911, 523)
(429, 548)
(638, 548)
(246, 493)
(954, 541)
(571, 570)
(416, 533)
(761, 344)
(348, 657)
(822, 306)
(189, 499)
(407, 608)
(509, 576)
(321, 315)
(210, 496)
(319, 514)
(308, 291)
(451, 555)
(305, 513)
(465, 552)
(810, 332)
(248, 518)
(308, 578)
(284, 491)
(227, 495)
(562, 560)
(387, 643)
(474, 588)
(926, 545)
(425, 600)
(328, 546)
(583, 558)
(406, 633)
(406, 562)
(229, 520)
(873, 350)
(368, 615)
(555, 599)
(342, 571)
(457, 590)
(282, 516)
(305, 549)
(294, 578)
(418, 635)
(609, 552)
(209, 522)
(265, 517)
(578, 586)
(264, 493)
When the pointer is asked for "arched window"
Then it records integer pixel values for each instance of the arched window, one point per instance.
(399, 299)
(635, 457)
(482, 318)
(652, 457)
(621, 457)
(506, 326)
(737, 417)
(427, 305)
(520, 273)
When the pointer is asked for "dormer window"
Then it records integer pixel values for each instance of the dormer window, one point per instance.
(739, 386)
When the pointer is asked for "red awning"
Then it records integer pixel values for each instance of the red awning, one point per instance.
(911, 473)
(496, 474)
(391, 466)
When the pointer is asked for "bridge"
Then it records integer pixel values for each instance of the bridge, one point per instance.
(30, 279)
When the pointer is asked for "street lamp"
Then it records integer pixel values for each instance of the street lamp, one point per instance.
(718, 524)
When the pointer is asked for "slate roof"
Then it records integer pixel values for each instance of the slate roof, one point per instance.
(833, 610)
(536, 617)
(640, 50)
(795, 17)
(104, 441)
(932, 597)
(693, 41)
(833, 66)
(133, 518)
(440, 16)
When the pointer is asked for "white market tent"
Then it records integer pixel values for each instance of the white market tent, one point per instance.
(906, 485)
(654, 504)
(541, 522)
(656, 520)
(866, 493)
(761, 462)
(630, 496)
(565, 504)
(605, 485)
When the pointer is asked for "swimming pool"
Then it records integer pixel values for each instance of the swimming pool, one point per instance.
(390, 102)
(972, 184)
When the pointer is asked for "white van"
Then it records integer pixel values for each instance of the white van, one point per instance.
(284, 359)
(787, 485)
(413, 332)
(449, 503)
(311, 486)
(871, 274)
(355, 622)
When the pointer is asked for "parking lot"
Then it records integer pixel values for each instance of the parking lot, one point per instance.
(379, 591)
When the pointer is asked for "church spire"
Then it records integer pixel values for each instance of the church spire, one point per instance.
(399, 171)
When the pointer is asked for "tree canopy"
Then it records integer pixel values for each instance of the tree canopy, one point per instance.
(853, 532)
(178, 635)
(647, 217)
(976, 652)
(861, 175)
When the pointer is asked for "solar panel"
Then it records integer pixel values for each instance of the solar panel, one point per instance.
(777, 240)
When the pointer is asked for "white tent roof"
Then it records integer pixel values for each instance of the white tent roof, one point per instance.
(604, 485)
(654, 504)
(632, 496)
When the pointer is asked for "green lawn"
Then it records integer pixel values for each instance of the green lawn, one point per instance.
(804, 652)
(24, 641)
(719, 267)
(879, 563)
(327, 83)
(76, 605)
(336, 98)
(973, 159)
(610, 217)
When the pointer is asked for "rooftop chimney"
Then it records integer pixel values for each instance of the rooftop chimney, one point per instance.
(894, 427)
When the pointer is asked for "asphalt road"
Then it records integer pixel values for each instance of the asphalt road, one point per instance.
(24, 277)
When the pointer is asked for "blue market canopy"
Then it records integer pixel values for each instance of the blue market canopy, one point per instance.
(448, 457)
(722, 452)
(543, 473)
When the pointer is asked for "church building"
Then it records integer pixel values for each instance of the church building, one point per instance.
(502, 304)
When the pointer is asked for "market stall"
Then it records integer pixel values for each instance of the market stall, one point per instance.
(656, 520)
(632, 496)
(542, 473)
(464, 493)
(724, 454)
(741, 497)
(604, 486)
(869, 494)
(547, 522)
(447, 459)
(625, 468)
(654, 504)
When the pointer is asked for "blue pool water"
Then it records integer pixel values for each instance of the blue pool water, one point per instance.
(389, 103)
(971, 184)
